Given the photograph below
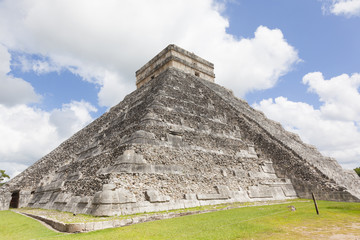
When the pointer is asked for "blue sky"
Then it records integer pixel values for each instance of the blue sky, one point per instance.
(64, 63)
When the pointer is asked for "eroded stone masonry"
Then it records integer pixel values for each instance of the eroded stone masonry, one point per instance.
(178, 141)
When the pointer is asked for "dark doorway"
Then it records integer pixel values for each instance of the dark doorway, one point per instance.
(14, 203)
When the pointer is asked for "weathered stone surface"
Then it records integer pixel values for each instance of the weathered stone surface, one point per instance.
(166, 146)
(289, 190)
(260, 192)
(268, 168)
(154, 197)
(130, 157)
(74, 176)
(212, 196)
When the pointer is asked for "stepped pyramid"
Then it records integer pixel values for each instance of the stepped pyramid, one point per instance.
(179, 140)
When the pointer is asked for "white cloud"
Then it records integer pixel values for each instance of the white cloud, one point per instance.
(105, 42)
(13, 90)
(113, 89)
(39, 66)
(4, 60)
(28, 133)
(254, 64)
(96, 39)
(340, 95)
(334, 127)
(71, 117)
(12, 168)
(347, 8)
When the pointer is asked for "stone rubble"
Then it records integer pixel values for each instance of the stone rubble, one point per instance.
(178, 142)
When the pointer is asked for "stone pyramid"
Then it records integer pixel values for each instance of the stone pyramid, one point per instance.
(178, 141)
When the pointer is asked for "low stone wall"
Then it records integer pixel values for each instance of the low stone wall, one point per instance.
(93, 226)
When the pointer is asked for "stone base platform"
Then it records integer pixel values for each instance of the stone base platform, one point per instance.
(122, 221)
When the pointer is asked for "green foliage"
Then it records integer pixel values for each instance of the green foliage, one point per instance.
(3, 175)
(357, 170)
(260, 222)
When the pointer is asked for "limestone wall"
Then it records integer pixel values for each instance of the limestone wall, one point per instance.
(308, 160)
(176, 57)
(175, 142)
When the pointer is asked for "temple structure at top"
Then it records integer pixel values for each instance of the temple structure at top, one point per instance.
(175, 57)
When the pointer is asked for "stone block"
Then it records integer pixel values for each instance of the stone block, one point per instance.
(53, 186)
(125, 196)
(223, 190)
(251, 150)
(190, 196)
(154, 197)
(125, 222)
(143, 134)
(240, 196)
(191, 203)
(108, 197)
(276, 182)
(268, 168)
(75, 227)
(174, 140)
(97, 226)
(260, 192)
(168, 169)
(211, 196)
(245, 154)
(62, 227)
(150, 116)
(102, 210)
(110, 186)
(261, 175)
(289, 190)
(45, 198)
(277, 193)
(84, 200)
(34, 198)
(107, 224)
(240, 173)
(141, 137)
(129, 156)
(142, 168)
(89, 226)
(176, 204)
(74, 176)
(223, 172)
(72, 204)
(96, 199)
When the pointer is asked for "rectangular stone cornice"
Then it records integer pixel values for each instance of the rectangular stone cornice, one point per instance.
(175, 57)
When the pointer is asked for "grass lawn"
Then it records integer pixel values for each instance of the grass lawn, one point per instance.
(336, 220)
(16, 226)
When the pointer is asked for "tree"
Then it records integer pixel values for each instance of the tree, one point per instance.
(357, 170)
(3, 175)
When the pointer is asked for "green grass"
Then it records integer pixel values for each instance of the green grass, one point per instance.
(68, 217)
(260, 222)
(16, 226)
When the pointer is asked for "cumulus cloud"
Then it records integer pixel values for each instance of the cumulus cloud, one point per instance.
(113, 89)
(106, 42)
(38, 66)
(254, 64)
(347, 8)
(334, 127)
(29, 133)
(340, 95)
(13, 90)
(71, 117)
